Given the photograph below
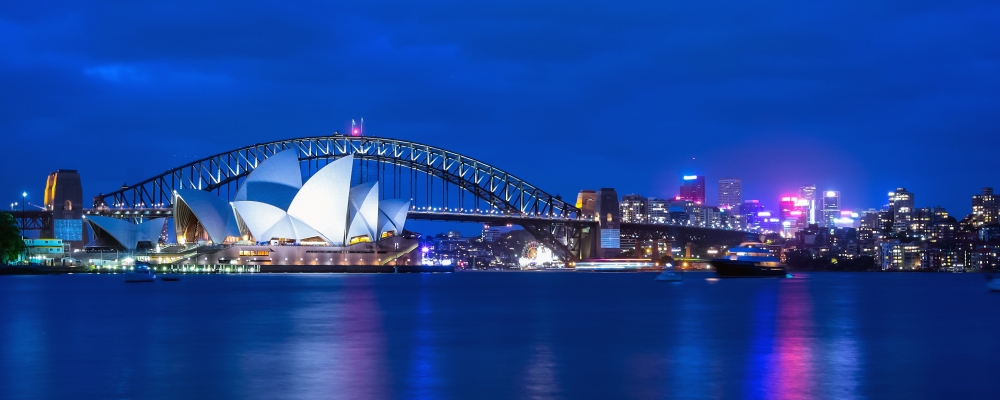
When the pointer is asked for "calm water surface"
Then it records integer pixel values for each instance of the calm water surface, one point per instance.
(499, 335)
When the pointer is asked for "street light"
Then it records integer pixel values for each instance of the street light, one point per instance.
(24, 199)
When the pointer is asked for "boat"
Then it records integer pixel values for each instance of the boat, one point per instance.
(749, 259)
(992, 283)
(669, 276)
(140, 273)
(170, 278)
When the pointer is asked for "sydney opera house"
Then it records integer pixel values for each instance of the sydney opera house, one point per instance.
(277, 219)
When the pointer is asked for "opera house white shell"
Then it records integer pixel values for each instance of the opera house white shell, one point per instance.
(275, 204)
(127, 234)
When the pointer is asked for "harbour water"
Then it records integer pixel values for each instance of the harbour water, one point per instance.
(499, 335)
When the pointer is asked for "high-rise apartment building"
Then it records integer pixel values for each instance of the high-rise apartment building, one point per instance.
(693, 189)
(901, 201)
(831, 208)
(730, 193)
(869, 224)
(985, 207)
(633, 209)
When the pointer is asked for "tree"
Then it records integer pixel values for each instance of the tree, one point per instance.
(11, 244)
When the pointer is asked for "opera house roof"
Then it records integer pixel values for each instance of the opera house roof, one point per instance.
(125, 233)
(274, 203)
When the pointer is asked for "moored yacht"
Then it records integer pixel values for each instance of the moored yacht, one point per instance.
(140, 273)
(750, 259)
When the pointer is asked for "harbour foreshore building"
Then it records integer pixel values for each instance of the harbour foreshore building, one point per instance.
(276, 218)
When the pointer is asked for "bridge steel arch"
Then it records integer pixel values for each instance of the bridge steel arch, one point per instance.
(434, 179)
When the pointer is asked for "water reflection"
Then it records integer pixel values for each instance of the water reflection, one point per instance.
(422, 377)
(364, 370)
(790, 358)
(540, 378)
(486, 335)
(692, 366)
(761, 344)
(841, 363)
(793, 372)
(23, 341)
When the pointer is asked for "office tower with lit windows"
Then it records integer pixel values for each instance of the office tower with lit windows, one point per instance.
(633, 209)
(901, 201)
(693, 189)
(730, 193)
(808, 193)
(750, 214)
(985, 207)
(657, 211)
(791, 215)
(831, 208)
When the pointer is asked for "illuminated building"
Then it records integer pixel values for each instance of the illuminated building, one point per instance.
(985, 207)
(831, 208)
(792, 215)
(925, 222)
(847, 219)
(44, 251)
(585, 201)
(64, 197)
(808, 194)
(730, 193)
(693, 188)
(868, 225)
(633, 209)
(112, 234)
(894, 255)
(609, 219)
(902, 209)
(750, 214)
(324, 219)
(658, 211)
(490, 234)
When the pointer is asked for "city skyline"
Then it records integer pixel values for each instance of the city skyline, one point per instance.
(804, 101)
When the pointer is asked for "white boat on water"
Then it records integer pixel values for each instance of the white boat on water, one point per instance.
(140, 273)
(669, 274)
(992, 283)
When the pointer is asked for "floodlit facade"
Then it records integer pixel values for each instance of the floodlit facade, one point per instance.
(114, 233)
(201, 216)
(275, 206)
(277, 219)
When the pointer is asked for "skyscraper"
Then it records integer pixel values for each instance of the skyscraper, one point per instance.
(808, 193)
(693, 189)
(730, 193)
(831, 207)
(749, 213)
(902, 209)
(985, 208)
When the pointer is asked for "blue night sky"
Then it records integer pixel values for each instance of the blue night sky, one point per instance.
(855, 96)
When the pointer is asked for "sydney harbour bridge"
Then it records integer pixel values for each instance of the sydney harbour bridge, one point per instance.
(441, 185)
